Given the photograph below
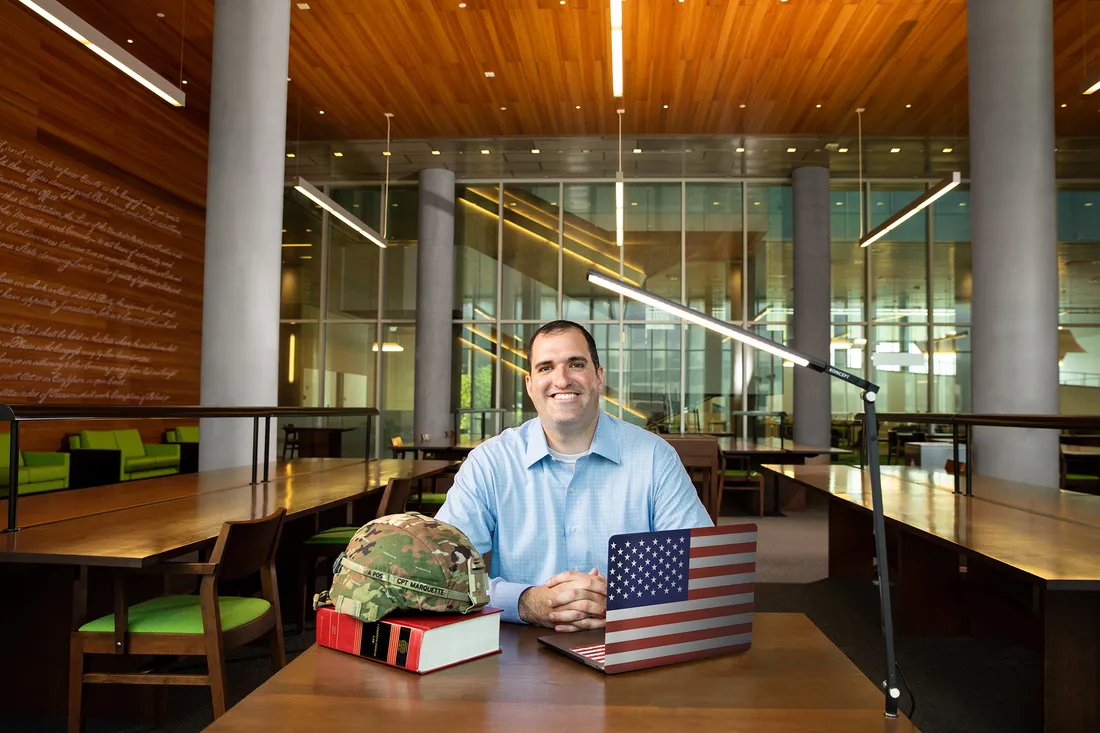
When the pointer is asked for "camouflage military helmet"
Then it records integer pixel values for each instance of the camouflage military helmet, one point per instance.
(407, 562)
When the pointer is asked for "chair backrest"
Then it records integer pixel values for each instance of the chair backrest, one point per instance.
(698, 451)
(98, 440)
(395, 442)
(244, 547)
(129, 443)
(394, 498)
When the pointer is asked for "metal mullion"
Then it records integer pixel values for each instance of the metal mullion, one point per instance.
(868, 296)
(500, 300)
(379, 338)
(621, 318)
(683, 301)
(322, 358)
(931, 231)
(561, 249)
(744, 304)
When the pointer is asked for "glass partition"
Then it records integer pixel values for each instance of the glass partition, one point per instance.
(713, 249)
(589, 242)
(301, 258)
(353, 260)
(771, 252)
(529, 258)
(476, 237)
(651, 376)
(651, 243)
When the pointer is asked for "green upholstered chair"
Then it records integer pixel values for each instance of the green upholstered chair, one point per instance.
(327, 544)
(183, 434)
(37, 472)
(137, 460)
(190, 625)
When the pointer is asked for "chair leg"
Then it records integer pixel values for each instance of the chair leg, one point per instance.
(278, 648)
(215, 661)
(76, 682)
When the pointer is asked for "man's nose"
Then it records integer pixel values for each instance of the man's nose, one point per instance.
(560, 376)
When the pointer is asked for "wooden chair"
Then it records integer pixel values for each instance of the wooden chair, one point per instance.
(189, 625)
(702, 458)
(327, 544)
(290, 441)
(395, 443)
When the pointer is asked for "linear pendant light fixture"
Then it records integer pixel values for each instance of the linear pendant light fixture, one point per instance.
(315, 195)
(76, 27)
(1090, 83)
(620, 194)
(909, 211)
(616, 48)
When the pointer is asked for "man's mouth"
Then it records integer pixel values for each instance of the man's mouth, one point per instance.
(564, 396)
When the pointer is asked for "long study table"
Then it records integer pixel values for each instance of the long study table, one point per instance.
(792, 679)
(47, 569)
(1023, 569)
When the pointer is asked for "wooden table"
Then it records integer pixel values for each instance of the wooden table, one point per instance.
(40, 564)
(457, 452)
(56, 506)
(793, 679)
(1026, 573)
(321, 442)
(750, 455)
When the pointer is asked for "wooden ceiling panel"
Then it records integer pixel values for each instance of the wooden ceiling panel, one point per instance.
(424, 60)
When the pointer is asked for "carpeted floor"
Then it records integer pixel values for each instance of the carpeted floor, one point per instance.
(961, 684)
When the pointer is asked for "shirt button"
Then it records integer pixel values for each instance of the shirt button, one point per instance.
(577, 568)
(572, 529)
(571, 489)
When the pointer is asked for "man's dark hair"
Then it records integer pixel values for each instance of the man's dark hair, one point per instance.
(556, 327)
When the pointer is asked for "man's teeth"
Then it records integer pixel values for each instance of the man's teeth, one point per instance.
(563, 396)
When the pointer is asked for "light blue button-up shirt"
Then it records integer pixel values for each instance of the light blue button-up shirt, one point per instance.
(539, 517)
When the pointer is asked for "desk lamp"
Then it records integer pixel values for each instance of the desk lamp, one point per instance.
(870, 435)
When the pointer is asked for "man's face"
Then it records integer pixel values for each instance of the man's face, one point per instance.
(564, 384)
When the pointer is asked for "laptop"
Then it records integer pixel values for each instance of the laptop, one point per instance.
(672, 597)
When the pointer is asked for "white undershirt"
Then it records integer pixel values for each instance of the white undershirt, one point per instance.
(569, 459)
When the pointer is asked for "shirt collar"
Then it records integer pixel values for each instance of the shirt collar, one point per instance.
(604, 443)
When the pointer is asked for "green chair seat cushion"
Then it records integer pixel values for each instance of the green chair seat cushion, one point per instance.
(164, 461)
(5, 475)
(732, 473)
(1069, 477)
(432, 498)
(139, 463)
(181, 615)
(333, 536)
(37, 474)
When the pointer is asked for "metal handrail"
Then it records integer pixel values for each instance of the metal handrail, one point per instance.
(968, 420)
(14, 414)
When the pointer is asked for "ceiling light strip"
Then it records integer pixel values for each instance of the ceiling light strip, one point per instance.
(314, 194)
(77, 28)
(911, 210)
(616, 48)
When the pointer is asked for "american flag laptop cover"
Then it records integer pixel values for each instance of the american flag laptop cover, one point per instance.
(673, 597)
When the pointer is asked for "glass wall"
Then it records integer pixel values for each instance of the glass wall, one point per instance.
(900, 310)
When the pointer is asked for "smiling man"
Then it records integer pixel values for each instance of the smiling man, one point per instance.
(546, 496)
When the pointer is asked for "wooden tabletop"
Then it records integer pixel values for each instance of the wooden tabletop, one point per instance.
(55, 506)
(772, 446)
(143, 535)
(793, 679)
(1061, 553)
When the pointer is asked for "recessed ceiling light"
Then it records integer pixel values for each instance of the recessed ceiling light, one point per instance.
(484, 152)
(839, 203)
(288, 78)
(895, 150)
(535, 151)
(740, 150)
(320, 112)
(741, 106)
(512, 204)
(637, 150)
(184, 81)
(490, 74)
(665, 106)
(908, 106)
(792, 150)
(842, 150)
(1088, 203)
(715, 203)
(689, 150)
(1062, 104)
(131, 40)
(284, 231)
(578, 106)
(949, 150)
(586, 152)
(462, 5)
(503, 109)
(303, 6)
(962, 203)
(161, 15)
(338, 154)
(755, 203)
(386, 153)
(309, 231)
(633, 203)
(818, 106)
(435, 152)
(290, 155)
(561, 2)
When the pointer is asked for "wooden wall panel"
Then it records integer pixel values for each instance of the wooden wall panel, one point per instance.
(102, 209)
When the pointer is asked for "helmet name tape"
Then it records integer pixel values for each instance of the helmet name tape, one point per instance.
(415, 585)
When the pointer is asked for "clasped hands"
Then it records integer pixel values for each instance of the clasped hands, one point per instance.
(569, 601)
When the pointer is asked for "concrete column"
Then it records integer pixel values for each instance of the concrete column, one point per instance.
(812, 413)
(434, 306)
(244, 214)
(1013, 228)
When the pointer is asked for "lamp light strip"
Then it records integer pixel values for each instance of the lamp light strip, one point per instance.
(616, 48)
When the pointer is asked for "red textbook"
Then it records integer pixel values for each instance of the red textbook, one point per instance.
(418, 642)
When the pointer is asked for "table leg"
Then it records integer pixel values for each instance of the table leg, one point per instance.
(1071, 661)
(930, 594)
